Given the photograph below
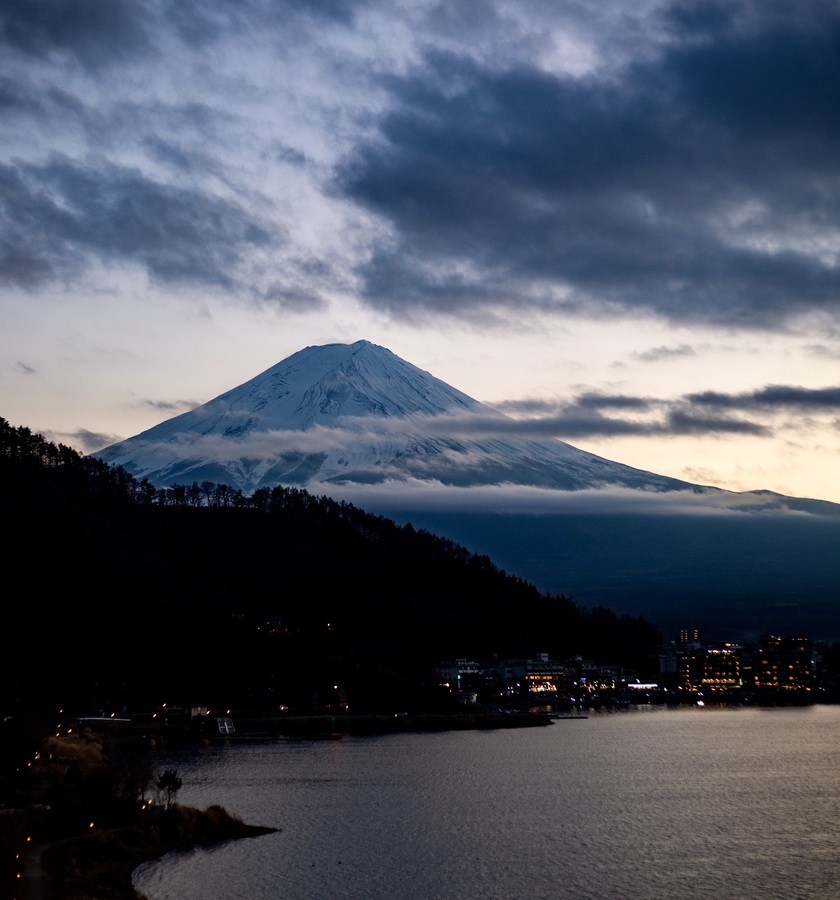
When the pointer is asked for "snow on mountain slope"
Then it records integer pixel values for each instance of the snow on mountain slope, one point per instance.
(358, 413)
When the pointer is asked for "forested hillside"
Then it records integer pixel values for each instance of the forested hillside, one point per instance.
(125, 597)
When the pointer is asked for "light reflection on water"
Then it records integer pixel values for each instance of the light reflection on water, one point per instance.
(648, 804)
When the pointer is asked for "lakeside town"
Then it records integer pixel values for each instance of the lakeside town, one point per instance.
(688, 670)
(80, 774)
(517, 692)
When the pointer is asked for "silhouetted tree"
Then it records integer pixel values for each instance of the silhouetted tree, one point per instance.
(170, 784)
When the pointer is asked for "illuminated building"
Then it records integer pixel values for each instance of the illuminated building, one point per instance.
(457, 672)
(538, 676)
(784, 664)
(711, 668)
(689, 636)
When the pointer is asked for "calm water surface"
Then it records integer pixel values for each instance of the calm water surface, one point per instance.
(643, 804)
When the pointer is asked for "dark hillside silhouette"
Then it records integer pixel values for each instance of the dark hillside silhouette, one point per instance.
(125, 596)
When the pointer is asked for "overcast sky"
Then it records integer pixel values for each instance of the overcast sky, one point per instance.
(621, 221)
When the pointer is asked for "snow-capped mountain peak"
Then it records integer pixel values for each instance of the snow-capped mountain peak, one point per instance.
(357, 413)
(319, 385)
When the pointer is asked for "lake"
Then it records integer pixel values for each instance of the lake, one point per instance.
(645, 803)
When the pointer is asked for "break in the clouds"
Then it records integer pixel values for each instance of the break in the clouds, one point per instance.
(680, 159)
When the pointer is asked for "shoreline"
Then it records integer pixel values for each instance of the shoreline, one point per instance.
(254, 727)
(100, 866)
(376, 724)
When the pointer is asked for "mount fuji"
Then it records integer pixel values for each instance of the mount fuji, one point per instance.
(358, 423)
(358, 414)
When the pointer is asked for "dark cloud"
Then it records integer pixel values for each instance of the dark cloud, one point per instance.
(291, 156)
(569, 422)
(169, 153)
(707, 413)
(702, 19)
(56, 215)
(676, 422)
(343, 11)
(774, 85)
(683, 423)
(592, 400)
(528, 406)
(300, 299)
(98, 33)
(784, 397)
(92, 31)
(693, 176)
(171, 406)
(199, 24)
(696, 186)
(825, 351)
(86, 441)
(655, 354)
(582, 418)
(13, 97)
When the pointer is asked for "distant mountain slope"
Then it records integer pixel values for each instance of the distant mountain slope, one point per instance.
(735, 576)
(357, 413)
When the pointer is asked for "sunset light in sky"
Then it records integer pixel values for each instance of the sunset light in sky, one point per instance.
(621, 220)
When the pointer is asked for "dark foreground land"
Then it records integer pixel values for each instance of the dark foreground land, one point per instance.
(99, 866)
(80, 822)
